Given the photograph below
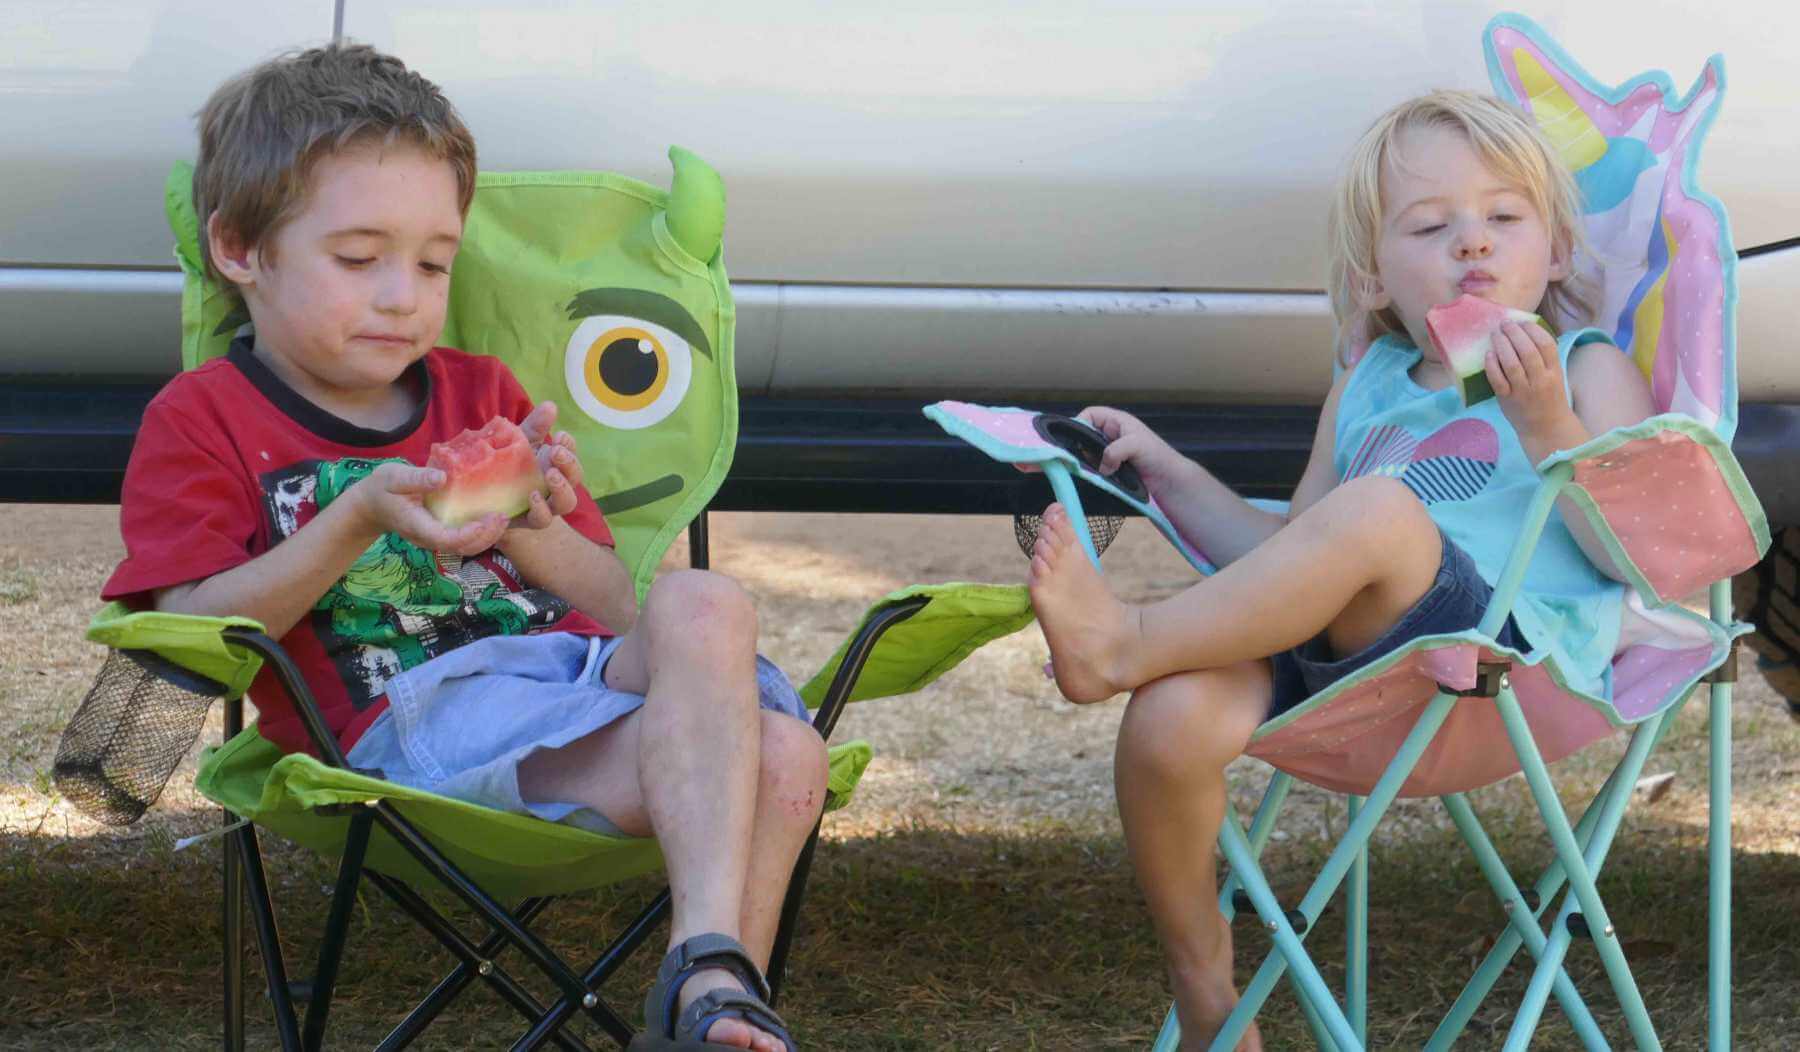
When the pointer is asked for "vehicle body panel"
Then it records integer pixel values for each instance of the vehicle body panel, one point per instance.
(1077, 201)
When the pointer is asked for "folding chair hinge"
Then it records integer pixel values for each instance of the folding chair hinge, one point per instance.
(1727, 670)
(1490, 679)
(1578, 927)
(1240, 899)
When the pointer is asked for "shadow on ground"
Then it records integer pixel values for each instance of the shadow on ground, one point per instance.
(911, 940)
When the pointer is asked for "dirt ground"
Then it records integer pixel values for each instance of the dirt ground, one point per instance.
(978, 875)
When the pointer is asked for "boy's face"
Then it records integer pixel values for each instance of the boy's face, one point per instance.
(352, 289)
(1450, 226)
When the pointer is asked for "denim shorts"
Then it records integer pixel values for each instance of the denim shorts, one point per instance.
(1453, 603)
(460, 724)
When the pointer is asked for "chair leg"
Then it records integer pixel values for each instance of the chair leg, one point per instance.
(331, 951)
(1522, 927)
(1594, 845)
(453, 878)
(1581, 881)
(234, 908)
(602, 969)
(1356, 935)
(1330, 876)
(1718, 865)
(268, 938)
(234, 944)
(1288, 949)
(1537, 993)
(1718, 847)
(474, 961)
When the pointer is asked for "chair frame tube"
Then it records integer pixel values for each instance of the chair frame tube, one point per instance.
(1580, 877)
(1718, 845)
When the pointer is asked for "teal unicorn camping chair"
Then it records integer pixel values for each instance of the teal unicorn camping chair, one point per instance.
(1674, 511)
(557, 270)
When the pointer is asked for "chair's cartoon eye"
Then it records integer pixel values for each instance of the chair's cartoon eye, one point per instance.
(625, 372)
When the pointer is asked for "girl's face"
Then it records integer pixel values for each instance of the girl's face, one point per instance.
(1450, 226)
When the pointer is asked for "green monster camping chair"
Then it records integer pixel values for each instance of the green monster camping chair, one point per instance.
(1674, 510)
(556, 269)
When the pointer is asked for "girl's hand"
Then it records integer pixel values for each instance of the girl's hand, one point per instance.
(391, 500)
(1129, 440)
(1527, 377)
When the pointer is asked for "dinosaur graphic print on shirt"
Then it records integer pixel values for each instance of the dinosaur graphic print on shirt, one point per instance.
(399, 605)
(1453, 463)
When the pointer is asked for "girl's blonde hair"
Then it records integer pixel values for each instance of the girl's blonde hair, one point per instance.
(1509, 145)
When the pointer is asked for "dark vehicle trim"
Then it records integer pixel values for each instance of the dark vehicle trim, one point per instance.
(69, 443)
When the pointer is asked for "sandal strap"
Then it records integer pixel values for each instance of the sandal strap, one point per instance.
(699, 953)
(714, 1005)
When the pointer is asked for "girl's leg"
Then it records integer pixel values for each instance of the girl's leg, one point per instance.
(1178, 734)
(1351, 566)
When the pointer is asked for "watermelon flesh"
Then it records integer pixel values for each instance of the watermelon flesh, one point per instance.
(486, 471)
(1462, 332)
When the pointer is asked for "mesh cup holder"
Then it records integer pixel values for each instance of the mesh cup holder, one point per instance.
(138, 721)
(1102, 528)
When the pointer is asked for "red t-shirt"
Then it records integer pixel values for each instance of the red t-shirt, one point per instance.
(229, 461)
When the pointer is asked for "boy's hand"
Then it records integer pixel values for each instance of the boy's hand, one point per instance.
(391, 501)
(1129, 440)
(1527, 376)
(557, 460)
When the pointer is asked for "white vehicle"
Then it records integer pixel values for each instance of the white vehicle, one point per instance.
(1042, 202)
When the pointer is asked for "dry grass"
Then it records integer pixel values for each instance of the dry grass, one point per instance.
(976, 896)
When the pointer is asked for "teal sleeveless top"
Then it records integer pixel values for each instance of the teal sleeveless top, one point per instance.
(1468, 467)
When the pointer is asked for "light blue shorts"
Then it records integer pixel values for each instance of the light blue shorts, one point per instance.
(460, 724)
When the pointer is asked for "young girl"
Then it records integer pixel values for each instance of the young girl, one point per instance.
(1400, 523)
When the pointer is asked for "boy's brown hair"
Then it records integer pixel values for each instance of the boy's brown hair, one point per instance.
(263, 130)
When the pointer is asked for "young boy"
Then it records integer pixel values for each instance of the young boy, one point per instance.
(500, 662)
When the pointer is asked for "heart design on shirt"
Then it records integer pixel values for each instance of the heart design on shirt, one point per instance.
(1453, 463)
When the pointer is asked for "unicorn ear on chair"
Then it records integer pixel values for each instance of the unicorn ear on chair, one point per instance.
(1660, 248)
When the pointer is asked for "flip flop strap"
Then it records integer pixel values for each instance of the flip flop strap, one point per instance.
(714, 1005)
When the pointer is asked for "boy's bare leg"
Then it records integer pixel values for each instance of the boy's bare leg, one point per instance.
(698, 768)
(790, 797)
(1351, 566)
(1178, 734)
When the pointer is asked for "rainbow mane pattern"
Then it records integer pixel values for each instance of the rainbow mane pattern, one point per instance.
(1660, 260)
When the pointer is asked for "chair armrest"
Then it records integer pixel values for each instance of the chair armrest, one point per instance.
(1670, 503)
(190, 641)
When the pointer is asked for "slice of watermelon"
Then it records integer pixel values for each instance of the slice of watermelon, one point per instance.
(1463, 332)
(485, 471)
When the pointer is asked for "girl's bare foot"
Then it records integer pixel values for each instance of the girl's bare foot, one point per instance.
(1090, 632)
(1204, 999)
